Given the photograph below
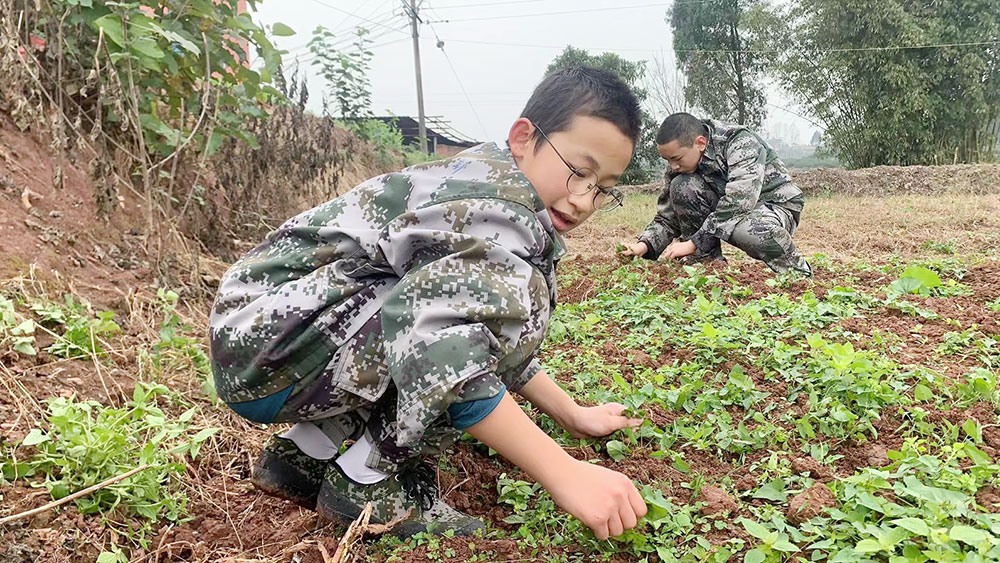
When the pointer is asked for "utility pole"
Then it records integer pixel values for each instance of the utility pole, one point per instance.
(414, 19)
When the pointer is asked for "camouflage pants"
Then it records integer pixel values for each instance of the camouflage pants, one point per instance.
(359, 386)
(765, 234)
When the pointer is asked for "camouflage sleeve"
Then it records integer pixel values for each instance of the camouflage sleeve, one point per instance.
(517, 378)
(663, 229)
(463, 298)
(747, 158)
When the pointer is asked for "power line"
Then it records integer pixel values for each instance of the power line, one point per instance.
(440, 45)
(385, 44)
(383, 19)
(547, 46)
(343, 11)
(848, 49)
(533, 1)
(341, 40)
(835, 50)
(616, 8)
(363, 4)
(488, 4)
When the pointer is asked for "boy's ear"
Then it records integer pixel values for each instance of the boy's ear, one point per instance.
(521, 137)
(700, 142)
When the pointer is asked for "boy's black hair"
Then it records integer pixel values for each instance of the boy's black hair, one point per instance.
(680, 127)
(582, 90)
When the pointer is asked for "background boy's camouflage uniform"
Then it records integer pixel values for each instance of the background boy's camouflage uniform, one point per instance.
(741, 193)
(411, 292)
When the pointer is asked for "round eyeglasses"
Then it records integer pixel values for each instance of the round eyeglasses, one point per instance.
(583, 180)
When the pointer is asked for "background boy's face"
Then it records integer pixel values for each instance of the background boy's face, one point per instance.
(589, 142)
(681, 159)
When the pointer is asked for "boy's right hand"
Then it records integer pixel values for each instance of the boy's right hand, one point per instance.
(604, 500)
(634, 249)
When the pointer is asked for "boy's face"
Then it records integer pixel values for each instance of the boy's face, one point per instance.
(589, 143)
(683, 160)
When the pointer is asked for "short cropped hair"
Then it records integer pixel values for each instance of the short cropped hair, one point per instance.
(681, 127)
(582, 90)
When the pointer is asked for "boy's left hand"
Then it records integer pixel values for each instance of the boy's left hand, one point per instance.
(590, 422)
(680, 249)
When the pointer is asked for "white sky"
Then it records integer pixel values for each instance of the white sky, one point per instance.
(498, 56)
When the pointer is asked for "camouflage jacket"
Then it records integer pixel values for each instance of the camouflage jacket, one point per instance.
(744, 171)
(457, 256)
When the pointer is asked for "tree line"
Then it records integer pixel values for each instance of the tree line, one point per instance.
(895, 82)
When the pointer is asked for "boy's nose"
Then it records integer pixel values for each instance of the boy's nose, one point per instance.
(584, 203)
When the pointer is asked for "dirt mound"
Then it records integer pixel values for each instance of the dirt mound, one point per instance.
(48, 218)
(812, 468)
(889, 180)
(717, 502)
(892, 180)
(809, 503)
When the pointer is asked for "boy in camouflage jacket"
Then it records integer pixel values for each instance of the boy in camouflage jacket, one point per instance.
(403, 312)
(723, 183)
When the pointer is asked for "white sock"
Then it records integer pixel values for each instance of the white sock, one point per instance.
(312, 441)
(352, 462)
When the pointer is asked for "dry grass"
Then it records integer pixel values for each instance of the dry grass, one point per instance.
(848, 228)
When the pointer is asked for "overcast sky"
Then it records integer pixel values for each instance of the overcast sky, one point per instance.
(498, 51)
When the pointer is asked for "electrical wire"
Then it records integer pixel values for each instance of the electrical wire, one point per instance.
(343, 41)
(385, 44)
(343, 11)
(835, 50)
(458, 79)
(615, 8)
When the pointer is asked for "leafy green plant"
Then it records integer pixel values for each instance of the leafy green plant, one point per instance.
(16, 334)
(994, 305)
(345, 70)
(149, 83)
(922, 508)
(947, 247)
(915, 280)
(176, 349)
(85, 443)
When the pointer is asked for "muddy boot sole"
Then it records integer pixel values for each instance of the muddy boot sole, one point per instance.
(276, 477)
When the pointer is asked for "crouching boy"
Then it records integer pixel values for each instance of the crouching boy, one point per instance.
(723, 183)
(404, 312)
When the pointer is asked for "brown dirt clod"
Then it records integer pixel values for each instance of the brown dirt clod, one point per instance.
(811, 468)
(989, 498)
(809, 503)
(717, 501)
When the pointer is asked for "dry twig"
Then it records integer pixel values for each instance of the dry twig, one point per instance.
(73, 496)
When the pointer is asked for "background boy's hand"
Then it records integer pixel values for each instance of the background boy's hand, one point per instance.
(633, 248)
(680, 249)
(604, 500)
(590, 422)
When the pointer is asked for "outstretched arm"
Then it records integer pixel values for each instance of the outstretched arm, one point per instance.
(582, 422)
(604, 500)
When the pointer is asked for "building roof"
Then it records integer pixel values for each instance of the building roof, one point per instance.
(439, 131)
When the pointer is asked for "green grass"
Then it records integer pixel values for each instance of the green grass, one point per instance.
(637, 211)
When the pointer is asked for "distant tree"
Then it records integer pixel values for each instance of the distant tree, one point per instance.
(901, 105)
(646, 163)
(724, 48)
(666, 84)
